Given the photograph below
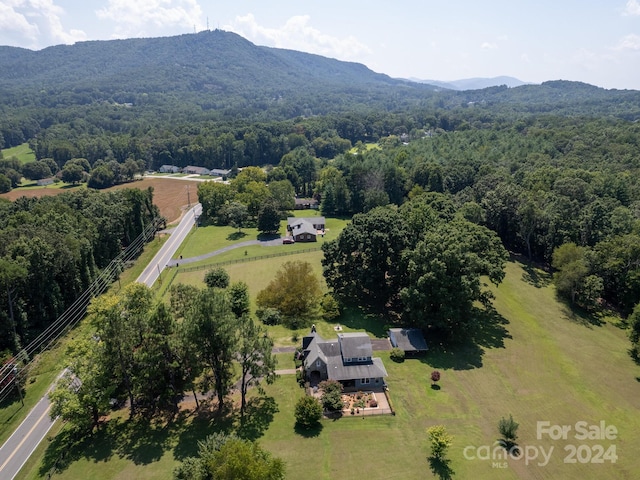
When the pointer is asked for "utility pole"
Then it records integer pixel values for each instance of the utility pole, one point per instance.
(17, 383)
(13, 322)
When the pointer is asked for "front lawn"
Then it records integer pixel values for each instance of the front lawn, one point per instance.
(534, 360)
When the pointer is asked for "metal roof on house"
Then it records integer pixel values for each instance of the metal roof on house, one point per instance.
(292, 221)
(408, 339)
(355, 345)
(304, 227)
(336, 370)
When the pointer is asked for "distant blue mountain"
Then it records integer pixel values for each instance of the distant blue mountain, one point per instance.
(473, 83)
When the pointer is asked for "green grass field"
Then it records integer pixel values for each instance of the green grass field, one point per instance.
(536, 361)
(21, 152)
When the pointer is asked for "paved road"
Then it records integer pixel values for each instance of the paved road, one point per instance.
(168, 250)
(18, 448)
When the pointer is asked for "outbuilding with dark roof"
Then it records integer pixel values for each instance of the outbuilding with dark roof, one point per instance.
(410, 340)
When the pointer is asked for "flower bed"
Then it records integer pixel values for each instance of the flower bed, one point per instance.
(353, 402)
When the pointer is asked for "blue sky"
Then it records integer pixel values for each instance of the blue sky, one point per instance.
(594, 41)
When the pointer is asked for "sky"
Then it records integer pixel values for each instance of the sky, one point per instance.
(592, 41)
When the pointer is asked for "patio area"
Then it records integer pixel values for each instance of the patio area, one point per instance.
(363, 403)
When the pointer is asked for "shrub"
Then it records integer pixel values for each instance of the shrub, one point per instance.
(308, 412)
(300, 378)
(269, 316)
(331, 395)
(217, 278)
(397, 355)
(435, 376)
(508, 428)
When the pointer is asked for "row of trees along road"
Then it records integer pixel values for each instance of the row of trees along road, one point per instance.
(147, 354)
(52, 248)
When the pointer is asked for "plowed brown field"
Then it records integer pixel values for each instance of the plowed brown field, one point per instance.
(170, 195)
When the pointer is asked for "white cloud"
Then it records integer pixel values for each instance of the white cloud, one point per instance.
(35, 22)
(633, 8)
(51, 14)
(13, 19)
(488, 46)
(298, 34)
(629, 42)
(133, 16)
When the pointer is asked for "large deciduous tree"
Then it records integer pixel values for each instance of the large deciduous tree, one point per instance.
(444, 274)
(82, 394)
(234, 214)
(363, 263)
(213, 196)
(269, 217)
(572, 267)
(210, 326)
(121, 323)
(257, 363)
(294, 292)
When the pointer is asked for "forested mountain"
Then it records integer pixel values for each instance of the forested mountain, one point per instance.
(127, 86)
(211, 70)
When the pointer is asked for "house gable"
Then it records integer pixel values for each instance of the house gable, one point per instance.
(347, 358)
(355, 347)
(317, 222)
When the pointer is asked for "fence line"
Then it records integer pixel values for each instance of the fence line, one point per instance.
(176, 270)
(244, 259)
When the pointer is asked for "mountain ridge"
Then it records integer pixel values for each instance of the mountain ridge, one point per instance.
(474, 83)
(221, 76)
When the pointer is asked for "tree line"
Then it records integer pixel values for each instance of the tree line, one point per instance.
(539, 185)
(52, 248)
(148, 354)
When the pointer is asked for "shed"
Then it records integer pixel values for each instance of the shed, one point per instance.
(43, 182)
(410, 340)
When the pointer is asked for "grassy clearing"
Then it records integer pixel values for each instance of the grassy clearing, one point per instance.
(537, 361)
(550, 368)
(33, 185)
(204, 240)
(21, 152)
(368, 146)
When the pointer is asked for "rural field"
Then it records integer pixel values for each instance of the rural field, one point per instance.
(534, 360)
(558, 373)
(169, 194)
(22, 152)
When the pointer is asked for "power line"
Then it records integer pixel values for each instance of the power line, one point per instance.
(74, 313)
